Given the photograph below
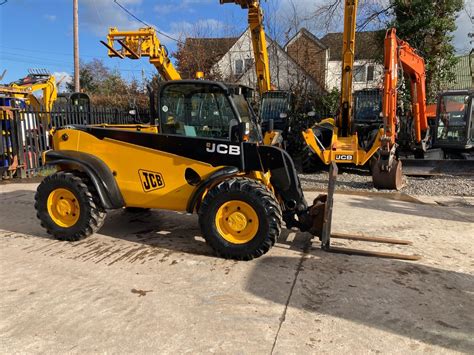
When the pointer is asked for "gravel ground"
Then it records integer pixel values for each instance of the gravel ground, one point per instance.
(361, 181)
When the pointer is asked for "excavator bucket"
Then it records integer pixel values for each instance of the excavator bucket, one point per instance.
(391, 179)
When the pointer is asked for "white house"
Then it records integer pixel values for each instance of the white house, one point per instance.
(238, 65)
(322, 58)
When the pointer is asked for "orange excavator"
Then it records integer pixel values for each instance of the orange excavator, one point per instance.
(400, 57)
(440, 136)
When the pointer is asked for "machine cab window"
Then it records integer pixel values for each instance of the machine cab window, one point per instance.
(195, 110)
(453, 118)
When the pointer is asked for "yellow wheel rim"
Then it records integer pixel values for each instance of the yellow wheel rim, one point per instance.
(237, 222)
(63, 207)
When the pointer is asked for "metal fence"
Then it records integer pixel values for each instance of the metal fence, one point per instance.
(25, 133)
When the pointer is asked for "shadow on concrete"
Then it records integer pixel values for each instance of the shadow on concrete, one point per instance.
(413, 209)
(431, 305)
(162, 230)
(151, 234)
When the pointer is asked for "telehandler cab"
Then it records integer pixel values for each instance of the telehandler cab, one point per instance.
(202, 155)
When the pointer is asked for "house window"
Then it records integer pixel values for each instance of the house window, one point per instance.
(370, 73)
(360, 74)
(248, 63)
(239, 66)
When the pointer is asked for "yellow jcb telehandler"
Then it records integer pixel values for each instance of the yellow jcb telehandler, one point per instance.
(202, 156)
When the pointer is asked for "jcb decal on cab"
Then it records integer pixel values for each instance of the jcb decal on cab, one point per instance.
(223, 149)
(344, 157)
(151, 180)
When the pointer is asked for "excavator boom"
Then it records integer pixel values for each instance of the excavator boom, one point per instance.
(259, 41)
(348, 56)
(142, 43)
(400, 53)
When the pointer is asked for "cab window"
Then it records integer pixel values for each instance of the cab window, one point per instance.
(452, 118)
(195, 110)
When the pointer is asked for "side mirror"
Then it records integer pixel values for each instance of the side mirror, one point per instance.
(244, 131)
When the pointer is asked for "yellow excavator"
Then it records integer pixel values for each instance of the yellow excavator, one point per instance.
(259, 41)
(275, 105)
(35, 81)
(41, 80)
(335, 139)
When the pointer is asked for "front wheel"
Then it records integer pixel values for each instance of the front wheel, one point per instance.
(240, 219)
(66, 207)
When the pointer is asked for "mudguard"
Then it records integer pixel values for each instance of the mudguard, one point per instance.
(219, 175)
(95, 168)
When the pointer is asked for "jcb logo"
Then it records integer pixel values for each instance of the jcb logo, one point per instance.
(151, 180)
(344, 157)
(223, 149)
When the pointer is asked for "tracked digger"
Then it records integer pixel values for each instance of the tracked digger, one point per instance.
(203, 156)
(439, 139)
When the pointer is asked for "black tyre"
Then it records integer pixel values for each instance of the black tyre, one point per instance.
(68, 207)
(136, 210)
(373, 162)
(310, 162)
(240, 219)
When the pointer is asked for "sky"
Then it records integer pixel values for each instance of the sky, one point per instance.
(38, 33)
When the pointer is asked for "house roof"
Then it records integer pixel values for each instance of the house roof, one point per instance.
(304, 32)
(369, 45)
(272, 43)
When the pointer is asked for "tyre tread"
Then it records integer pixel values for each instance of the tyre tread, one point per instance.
(95, 212)
(269, 203)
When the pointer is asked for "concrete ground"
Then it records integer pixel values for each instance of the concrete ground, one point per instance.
(148, 283)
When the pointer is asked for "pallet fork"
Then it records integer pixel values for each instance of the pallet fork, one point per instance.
(327, 235)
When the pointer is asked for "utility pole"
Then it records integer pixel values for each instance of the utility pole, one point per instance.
(77, 85)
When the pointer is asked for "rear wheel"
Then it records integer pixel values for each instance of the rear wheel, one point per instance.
(67, 208)
(240, 219)
(310, 162)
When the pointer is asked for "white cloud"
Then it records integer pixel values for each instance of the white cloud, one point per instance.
(62, 78)
(98, 16)
(201, 28)
(164, 7)
(50, 18)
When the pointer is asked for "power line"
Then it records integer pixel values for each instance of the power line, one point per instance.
(48, 64)
(44, 51)
(146, 24)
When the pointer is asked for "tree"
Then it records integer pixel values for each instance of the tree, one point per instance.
(106, 87)
(428, 27)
